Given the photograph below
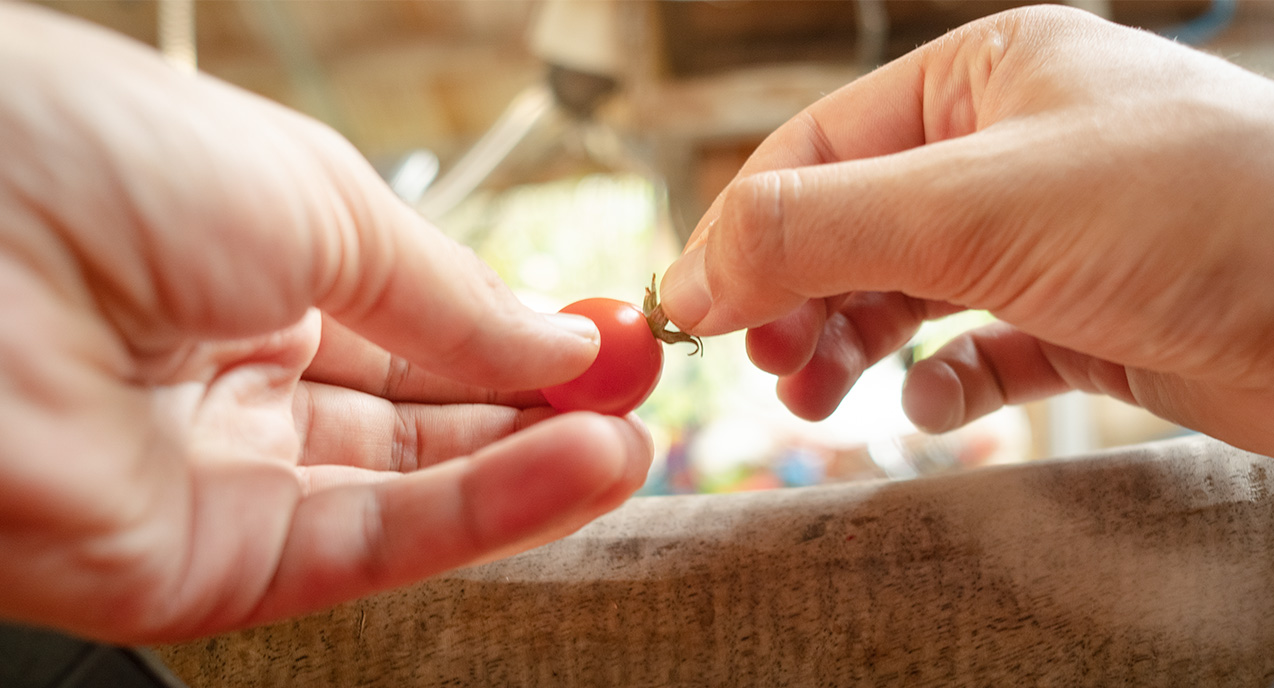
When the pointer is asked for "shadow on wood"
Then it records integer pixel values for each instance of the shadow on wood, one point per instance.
(1146, 566)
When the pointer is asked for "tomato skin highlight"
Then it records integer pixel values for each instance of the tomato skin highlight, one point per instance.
(628, 364)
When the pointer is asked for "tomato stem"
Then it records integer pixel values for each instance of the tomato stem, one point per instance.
(659, 322)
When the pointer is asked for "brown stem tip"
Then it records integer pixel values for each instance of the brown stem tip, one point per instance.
(659, 322)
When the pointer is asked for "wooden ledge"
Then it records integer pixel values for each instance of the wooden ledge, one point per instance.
(1150, 566)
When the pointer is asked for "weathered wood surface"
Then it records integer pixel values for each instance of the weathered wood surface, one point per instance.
(1150, 566)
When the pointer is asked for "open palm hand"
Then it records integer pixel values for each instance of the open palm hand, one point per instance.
(202, 425)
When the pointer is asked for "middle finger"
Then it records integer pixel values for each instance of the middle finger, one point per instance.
(348, 360)
(341, 426)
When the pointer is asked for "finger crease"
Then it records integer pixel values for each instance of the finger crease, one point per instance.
(824, 151)
(304, 421)
(988, 364)
(405, 455)
(396, 373)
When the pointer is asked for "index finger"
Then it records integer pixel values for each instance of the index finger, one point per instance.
(393, 278)
(345, 359)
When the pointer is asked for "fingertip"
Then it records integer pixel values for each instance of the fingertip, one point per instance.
(634, 458)
(522, 492)
(684, 290)
(933, 397)
(812, 402)
(631, 447)
(640, 452)
(784, 346)
(622, 444)
(565, 471)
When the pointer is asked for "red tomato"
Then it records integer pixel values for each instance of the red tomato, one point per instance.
(627, 366)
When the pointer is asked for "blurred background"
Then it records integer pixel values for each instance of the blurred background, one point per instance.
(574, 144)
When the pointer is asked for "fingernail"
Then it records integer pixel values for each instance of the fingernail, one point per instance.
(577, 325)
(684, 289)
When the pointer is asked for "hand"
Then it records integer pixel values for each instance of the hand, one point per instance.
(1104, 192)
(202, 425)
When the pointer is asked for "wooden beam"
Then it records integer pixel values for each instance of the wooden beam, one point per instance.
(742, 103)
(1152, 565)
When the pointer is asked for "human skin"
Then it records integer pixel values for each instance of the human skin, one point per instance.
(1104, 192)
(239, 380)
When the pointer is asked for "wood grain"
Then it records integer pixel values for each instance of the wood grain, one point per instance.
(1146, 566)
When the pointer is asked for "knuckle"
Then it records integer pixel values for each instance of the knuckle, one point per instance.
(759, 213)
(817, 138)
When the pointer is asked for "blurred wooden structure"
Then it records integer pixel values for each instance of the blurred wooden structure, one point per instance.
(705, 82)
(1150, 566)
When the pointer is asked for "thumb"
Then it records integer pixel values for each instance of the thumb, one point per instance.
(932, 222)
(266, 213)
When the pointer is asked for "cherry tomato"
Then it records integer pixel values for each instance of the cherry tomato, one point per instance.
(627, 366)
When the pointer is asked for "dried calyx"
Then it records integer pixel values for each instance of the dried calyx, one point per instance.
(659, 322)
